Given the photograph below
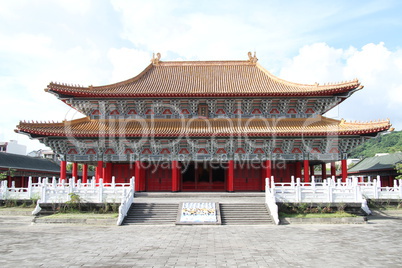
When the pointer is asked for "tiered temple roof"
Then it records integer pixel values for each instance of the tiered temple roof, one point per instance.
(258, 127)
(204, 79)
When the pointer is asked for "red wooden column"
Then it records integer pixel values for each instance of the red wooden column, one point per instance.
(107, 172)
(323, 171)
(99, 171)
(344, 170)
(306, 170)
(139, 178)
(230, 176)
(63, 170)
(267, 173)
(299, 169)
(75, 170)
(85, 173)
(175, 176)
(333, 169)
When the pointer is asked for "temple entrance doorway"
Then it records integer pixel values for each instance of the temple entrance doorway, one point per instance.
(158, 177)
(248, 176)
(203, 177)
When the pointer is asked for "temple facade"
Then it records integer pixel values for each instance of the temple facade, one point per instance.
(204, 126)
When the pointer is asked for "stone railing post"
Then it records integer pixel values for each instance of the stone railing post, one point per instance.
(100, 191)
(54, 182)
(29, 187)
(132, 183)
(375, 189)
(400, 188)
(43, 193)
(330, 192)
(298, 190)
(70, 187)
(4, 189)
(113, 182)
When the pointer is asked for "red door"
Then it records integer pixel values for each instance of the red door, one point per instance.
(123, 172)
(247, 177)
(159, 178)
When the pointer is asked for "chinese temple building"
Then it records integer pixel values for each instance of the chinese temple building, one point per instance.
(204, 126)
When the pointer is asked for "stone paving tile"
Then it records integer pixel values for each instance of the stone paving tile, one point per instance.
(376, 244)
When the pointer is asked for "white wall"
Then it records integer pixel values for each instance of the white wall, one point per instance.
(14, 148)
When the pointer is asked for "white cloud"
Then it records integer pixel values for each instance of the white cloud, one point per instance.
(127, 63)
(376, 67)
(76, 6)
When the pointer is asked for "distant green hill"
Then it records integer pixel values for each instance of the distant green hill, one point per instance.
(387, 143)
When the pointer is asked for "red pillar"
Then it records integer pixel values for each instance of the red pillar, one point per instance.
(230, 177)
(75, 170)
(99, 171)
(63, 170)
(175, 176)
(85, 173)
(138, 177)
(107, 173)
(333, 169)
(323, 171)
(306, 170)
(299, 169)
(344, 170)
(266, 173)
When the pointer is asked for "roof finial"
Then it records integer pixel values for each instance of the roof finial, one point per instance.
(251, 58)
(155, 60)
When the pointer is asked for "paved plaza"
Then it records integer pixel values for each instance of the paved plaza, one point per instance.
(377, 244)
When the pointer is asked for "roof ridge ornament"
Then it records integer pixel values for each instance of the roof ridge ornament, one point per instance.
(251, 58)
(155, 60)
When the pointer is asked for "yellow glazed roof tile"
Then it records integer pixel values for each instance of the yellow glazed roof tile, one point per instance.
(319, 126)
(204, 79)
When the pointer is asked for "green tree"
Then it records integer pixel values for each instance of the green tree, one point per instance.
(70, 167)
(387, 143)
(8, 173)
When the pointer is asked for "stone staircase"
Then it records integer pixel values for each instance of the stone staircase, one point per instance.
(151, 213)
(244, 213)
(162, 208)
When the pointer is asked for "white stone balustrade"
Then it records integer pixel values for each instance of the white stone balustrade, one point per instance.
(126, 202)
(329, 191)
(55, 191)
(333, 191)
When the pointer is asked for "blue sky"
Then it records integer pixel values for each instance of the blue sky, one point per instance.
(97, 42)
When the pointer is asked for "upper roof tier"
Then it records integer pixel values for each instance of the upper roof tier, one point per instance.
(204, 79)
(219, 127)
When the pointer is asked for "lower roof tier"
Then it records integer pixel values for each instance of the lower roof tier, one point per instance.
(203, 127)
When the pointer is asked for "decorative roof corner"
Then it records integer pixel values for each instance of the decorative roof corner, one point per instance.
(251, 58)
(155, 60)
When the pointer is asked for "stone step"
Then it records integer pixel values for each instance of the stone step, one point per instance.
(151, 213)
(248, 213)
